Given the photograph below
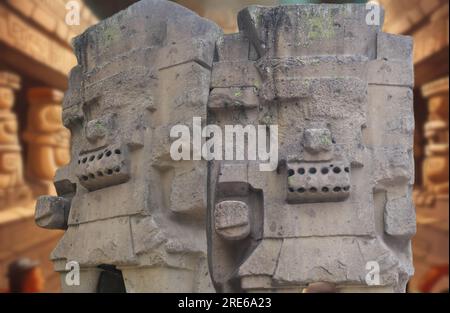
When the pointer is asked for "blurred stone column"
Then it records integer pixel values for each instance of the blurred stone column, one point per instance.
(435, 166)
(430, 245)
(13, 191)
(48, 140)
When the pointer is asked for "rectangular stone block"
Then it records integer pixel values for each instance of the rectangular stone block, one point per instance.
(391, 72)
(394, 47)
(233, 47)
(193, 50)
(235, 74)
(234, 97)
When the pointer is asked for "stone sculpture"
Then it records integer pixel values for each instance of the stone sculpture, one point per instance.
(122, 200)
(435, 165)
(48, 140)
(339, 203)
(13, 190)
(341, 93)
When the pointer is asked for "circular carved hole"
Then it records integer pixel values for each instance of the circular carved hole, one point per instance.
(337, 189)
(91, 176)
(99, 173)
(92, 158)
(108, 153)
(79, 161)
(84, 178)
(313, 189)
(291, 189)
(337, 170)
(325, 189)
(291, 172)
(109, 172)
(325, 170)
(100, 156)
(301, 171)
(301, 190)
(347, 188)
(347, 170)
(312, 170)
(117, 151)
(84, 160)
(117, 169)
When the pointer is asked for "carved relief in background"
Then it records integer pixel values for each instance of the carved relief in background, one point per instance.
(13, 190)
(47, 139)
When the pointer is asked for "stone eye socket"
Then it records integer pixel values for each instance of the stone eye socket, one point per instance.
(301, 171)
(337, 170)
(291, 172)
(312, 170)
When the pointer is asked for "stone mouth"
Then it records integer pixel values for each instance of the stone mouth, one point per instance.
(103, 168)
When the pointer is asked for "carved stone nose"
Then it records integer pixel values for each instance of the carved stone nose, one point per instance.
(98, 128)
(52, 212)
(317, 140)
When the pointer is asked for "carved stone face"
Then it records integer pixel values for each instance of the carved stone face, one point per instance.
(345, 141)
(103, 156)
(123, 185)
(6, 98)
(10, 162)
(435, 166)
(48, 140)
(8, 129)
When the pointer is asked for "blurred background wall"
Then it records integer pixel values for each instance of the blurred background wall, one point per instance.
(36, 56)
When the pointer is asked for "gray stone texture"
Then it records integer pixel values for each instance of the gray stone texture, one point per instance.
(340, 92)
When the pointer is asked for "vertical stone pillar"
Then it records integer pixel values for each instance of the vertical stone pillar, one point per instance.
(432, 241)
(13, 190)
(47, 139)
(435, 166)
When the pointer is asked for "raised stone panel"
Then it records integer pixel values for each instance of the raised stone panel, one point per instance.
(235, 74)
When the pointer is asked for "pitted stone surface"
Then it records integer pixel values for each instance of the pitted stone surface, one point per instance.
(340, 92)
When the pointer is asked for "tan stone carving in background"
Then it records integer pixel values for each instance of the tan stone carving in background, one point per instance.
(435, 167)
(48, 140)
(13, 190)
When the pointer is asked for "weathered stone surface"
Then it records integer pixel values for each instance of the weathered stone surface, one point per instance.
(131, 206)
(52, 212)
(339, 201)
(340, 92)
(232, 219)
